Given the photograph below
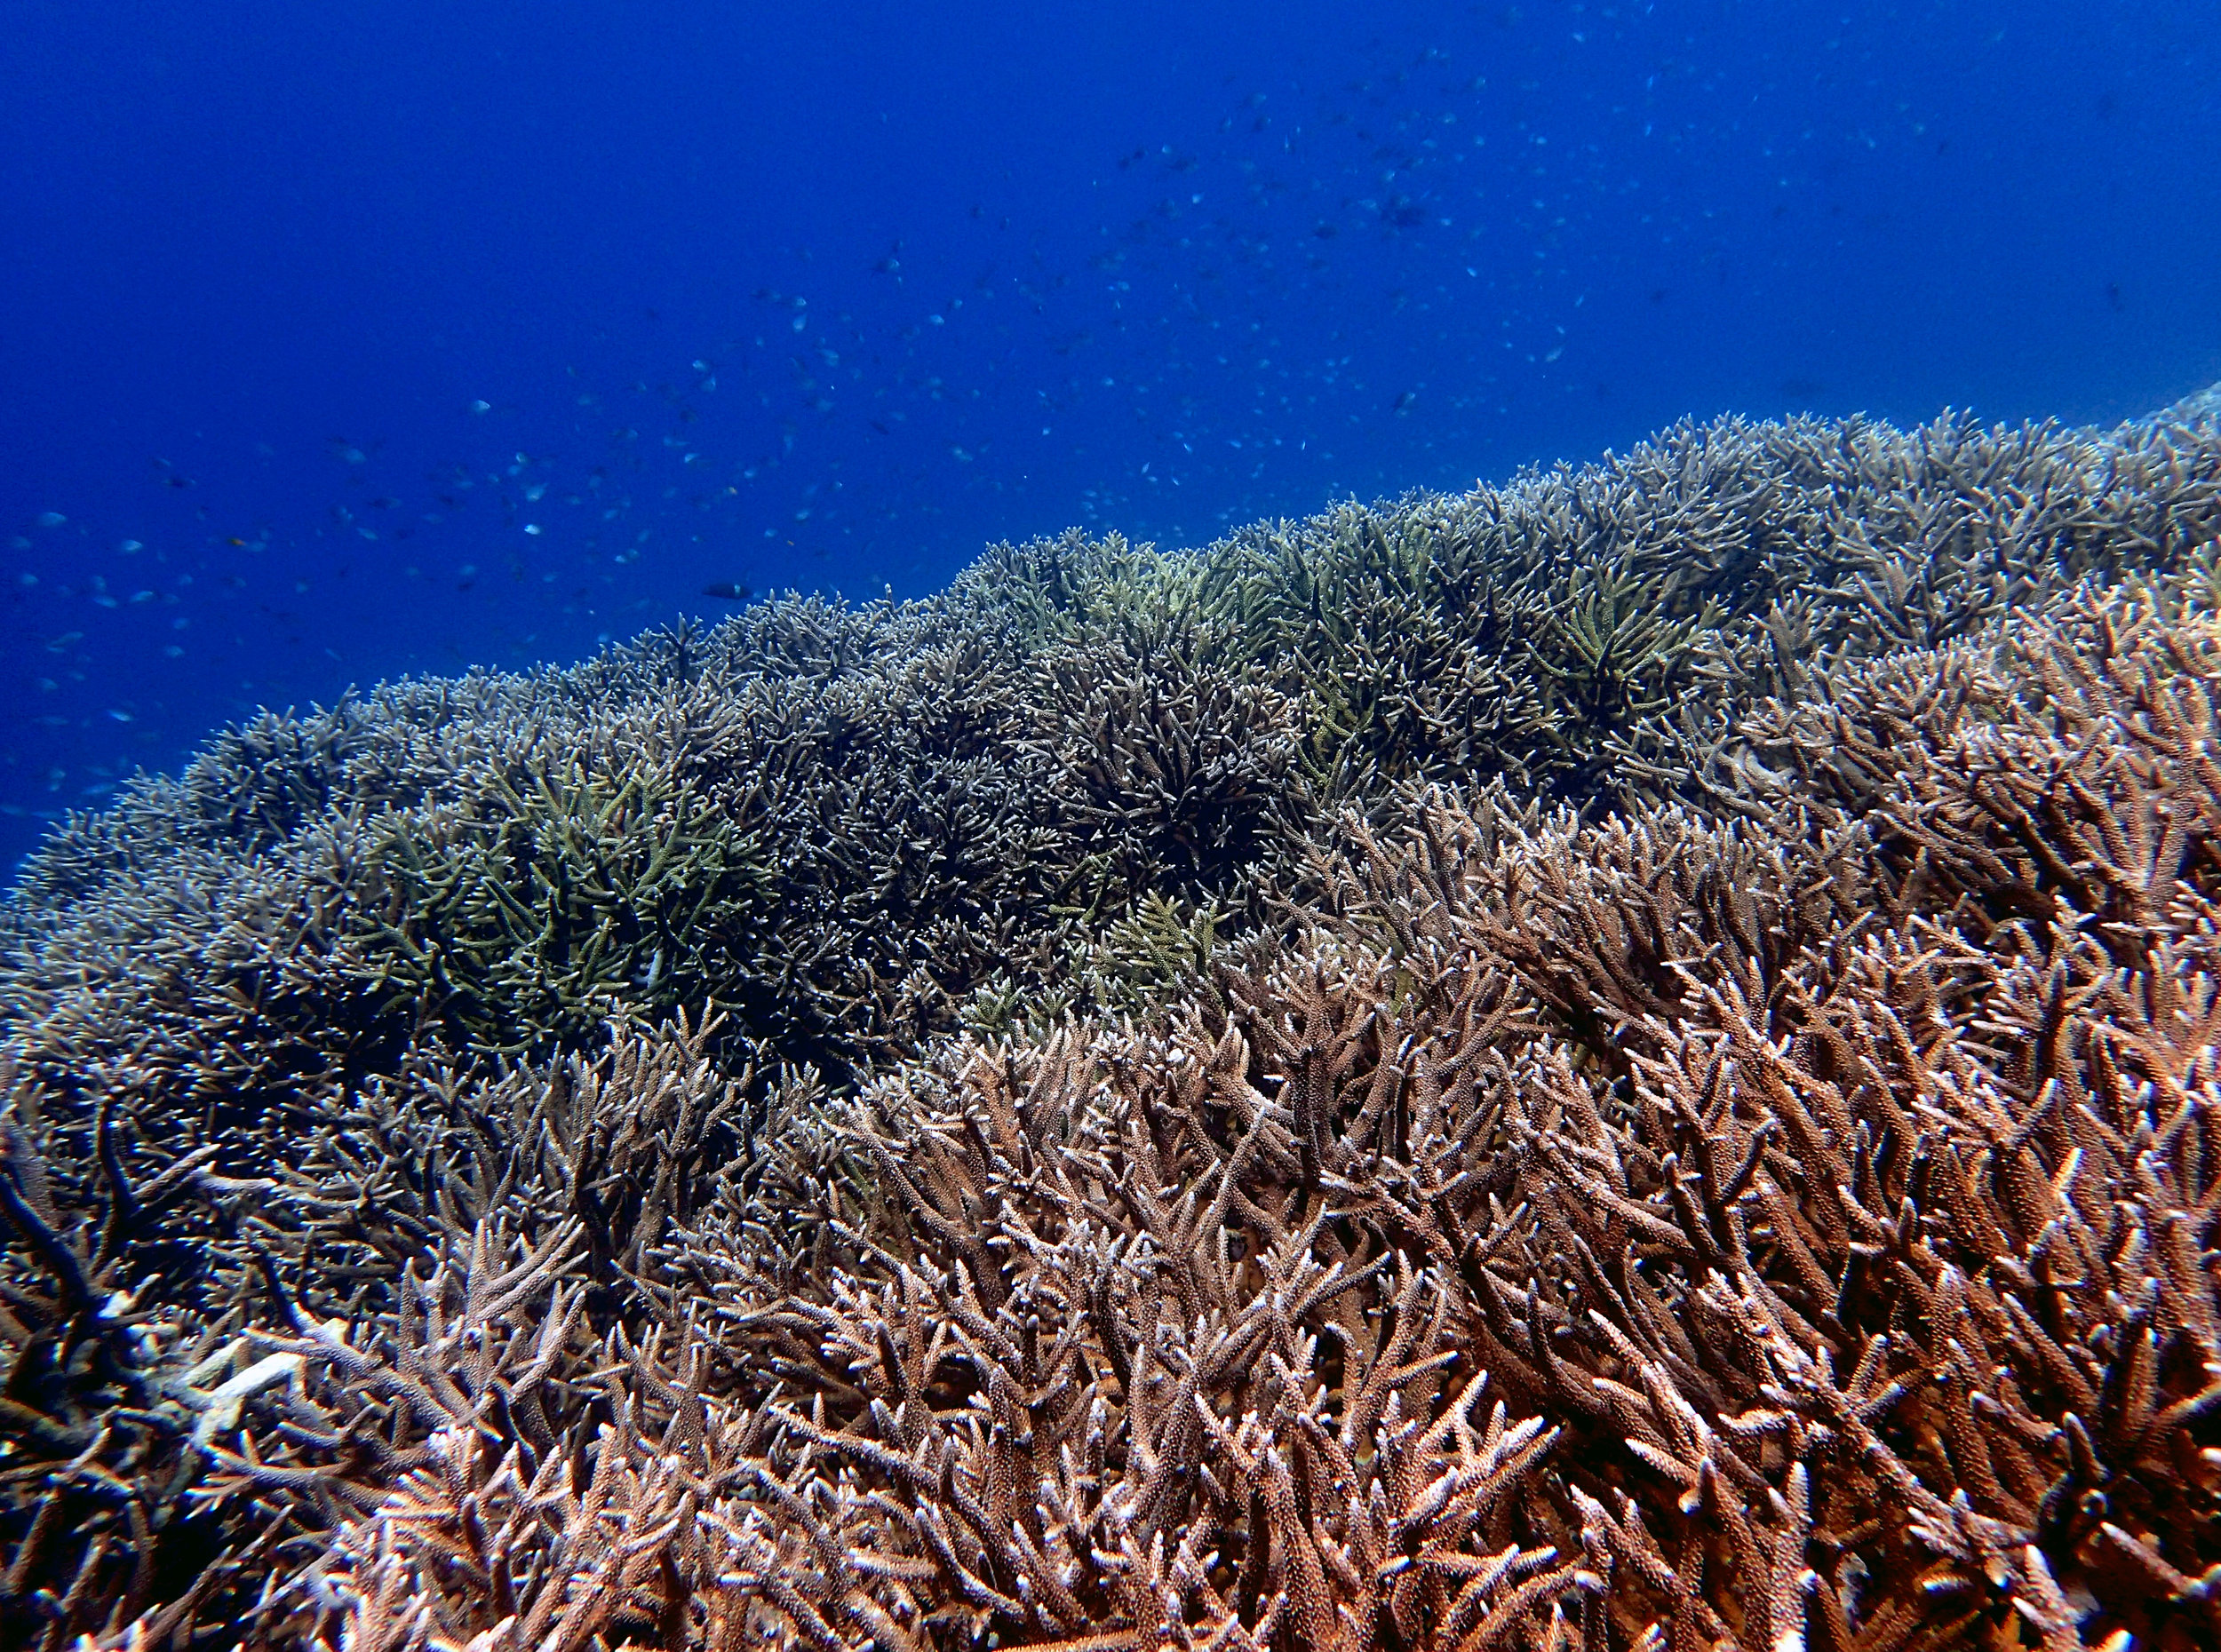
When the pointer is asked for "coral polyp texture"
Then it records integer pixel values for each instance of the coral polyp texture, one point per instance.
(1624, 1060)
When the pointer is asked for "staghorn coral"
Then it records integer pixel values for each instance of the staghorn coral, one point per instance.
(1625, 1061)
(537, 918)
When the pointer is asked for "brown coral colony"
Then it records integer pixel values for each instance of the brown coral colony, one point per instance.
(1626, 1061)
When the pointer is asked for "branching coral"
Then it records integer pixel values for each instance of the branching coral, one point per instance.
(1622, 1061)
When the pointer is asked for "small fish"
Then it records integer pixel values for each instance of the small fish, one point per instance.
(727, 589)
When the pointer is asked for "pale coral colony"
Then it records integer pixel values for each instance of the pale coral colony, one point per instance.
(1622, 1061)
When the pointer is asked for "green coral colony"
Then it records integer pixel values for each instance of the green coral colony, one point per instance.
(1624, 1060)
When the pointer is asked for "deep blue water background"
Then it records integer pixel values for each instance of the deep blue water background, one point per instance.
(339, 342)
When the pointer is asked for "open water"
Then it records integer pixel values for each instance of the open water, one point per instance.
(340, 342)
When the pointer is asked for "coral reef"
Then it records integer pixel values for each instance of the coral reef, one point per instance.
(1623, 1060)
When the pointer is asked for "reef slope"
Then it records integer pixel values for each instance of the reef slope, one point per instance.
(1623, 1059)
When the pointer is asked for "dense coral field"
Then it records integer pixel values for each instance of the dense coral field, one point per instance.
(1623, 1060)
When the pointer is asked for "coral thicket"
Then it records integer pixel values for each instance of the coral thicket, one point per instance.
(1623, 1060)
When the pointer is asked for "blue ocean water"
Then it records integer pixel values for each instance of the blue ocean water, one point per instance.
(339, 342)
